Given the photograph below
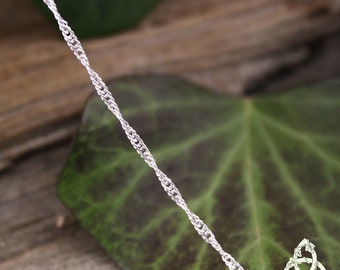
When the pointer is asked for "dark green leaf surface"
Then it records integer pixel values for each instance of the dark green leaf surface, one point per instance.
(92, 18)
(262, 172)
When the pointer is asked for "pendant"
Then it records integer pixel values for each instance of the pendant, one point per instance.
(297, 258)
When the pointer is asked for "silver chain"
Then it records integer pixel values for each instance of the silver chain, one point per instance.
(136, 141)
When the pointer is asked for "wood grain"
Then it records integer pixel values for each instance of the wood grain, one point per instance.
(228, 46)
(29, 237)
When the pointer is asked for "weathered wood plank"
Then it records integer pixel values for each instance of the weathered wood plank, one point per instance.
(225, 45)
(29, 210)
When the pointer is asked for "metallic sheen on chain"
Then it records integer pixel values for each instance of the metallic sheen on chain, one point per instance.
(167, 184)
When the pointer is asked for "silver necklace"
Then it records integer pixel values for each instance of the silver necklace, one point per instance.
(167, 184)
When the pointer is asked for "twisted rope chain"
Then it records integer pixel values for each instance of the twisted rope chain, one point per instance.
(169, 187)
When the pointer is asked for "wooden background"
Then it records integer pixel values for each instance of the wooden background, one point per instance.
(232, 46)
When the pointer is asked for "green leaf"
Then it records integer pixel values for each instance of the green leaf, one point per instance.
(92, 18)
(262, 172)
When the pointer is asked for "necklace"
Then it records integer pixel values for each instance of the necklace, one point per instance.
(136, 141)
(167, 184)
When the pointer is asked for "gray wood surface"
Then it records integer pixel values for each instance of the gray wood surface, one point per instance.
(229, 46)
(32, 233)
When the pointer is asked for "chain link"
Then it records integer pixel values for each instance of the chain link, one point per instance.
(136, 141)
